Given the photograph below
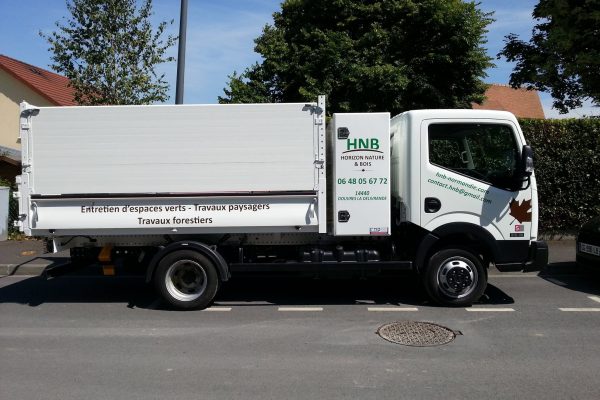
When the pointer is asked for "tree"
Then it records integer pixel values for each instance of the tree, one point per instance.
(385, 55)
(563, 54)
(109, 52)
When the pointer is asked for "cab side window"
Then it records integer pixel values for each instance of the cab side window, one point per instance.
(486, 152)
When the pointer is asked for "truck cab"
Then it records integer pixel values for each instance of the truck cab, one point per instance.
(475, 196)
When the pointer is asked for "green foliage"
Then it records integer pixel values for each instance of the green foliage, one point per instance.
(386, 55)
(109, 51)
(567, 165)
(563, 54)
(13, 207)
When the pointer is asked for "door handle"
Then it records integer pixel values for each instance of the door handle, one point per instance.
(432, 205)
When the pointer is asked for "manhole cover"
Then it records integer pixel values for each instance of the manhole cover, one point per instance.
(415, 333)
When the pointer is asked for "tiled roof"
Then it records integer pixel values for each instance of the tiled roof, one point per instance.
(521, 102)
(48, 84)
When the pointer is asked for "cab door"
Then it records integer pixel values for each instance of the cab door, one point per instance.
(470, 175)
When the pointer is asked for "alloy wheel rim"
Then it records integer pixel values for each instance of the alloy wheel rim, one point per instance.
(457, 277)
(186, 280)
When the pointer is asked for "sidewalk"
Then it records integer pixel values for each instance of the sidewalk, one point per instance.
(28, 257)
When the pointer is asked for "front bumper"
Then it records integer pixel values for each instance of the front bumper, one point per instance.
(538, 256)
(587, 260)
(590, 236)
(537, 259)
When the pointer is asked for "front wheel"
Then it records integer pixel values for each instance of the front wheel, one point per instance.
(455, 277)
(186, 280)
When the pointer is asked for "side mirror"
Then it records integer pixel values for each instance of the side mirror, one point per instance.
(525, 169)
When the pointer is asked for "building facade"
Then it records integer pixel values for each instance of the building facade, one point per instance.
(19, 82)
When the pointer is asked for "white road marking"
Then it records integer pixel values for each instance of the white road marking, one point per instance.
(385, 309)
(237, 303)
(595, 298)
(481, 309)
(218, 309)
(300, 308)
(581, 309)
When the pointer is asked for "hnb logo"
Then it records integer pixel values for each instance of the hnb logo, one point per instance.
(362, 144)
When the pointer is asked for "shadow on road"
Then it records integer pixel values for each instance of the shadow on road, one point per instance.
(571, 276)
(34, 291)
(493, 295)
(132, 291)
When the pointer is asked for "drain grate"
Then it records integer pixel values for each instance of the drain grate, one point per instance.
(415, 333)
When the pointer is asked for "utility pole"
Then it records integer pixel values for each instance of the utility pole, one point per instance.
(181, 52)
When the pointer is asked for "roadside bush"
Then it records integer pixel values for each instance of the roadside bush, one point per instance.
(567, 169)
(13, 207)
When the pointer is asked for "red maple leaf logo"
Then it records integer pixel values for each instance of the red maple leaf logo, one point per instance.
(521, 211)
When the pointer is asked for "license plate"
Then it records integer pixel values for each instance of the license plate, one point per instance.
(589, 248)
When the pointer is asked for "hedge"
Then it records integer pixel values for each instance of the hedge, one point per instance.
(13, 207)
(567, 169)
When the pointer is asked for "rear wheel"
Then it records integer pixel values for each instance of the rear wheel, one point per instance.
(455, 277)
(186, 279)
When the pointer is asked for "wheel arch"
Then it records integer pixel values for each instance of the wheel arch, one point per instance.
(208, 251)
(459, 234)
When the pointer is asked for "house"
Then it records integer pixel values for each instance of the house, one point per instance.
(21, 81)
(521, 102)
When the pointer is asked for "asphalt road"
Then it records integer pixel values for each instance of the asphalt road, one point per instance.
(532, 336)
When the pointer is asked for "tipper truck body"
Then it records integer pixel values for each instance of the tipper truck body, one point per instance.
(198, 193)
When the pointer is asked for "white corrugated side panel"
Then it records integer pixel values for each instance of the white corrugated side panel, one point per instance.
(173, 149)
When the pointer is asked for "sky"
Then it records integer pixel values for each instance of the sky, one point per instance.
(220, 39)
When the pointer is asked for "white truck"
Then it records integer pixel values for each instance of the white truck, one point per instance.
(199, 193)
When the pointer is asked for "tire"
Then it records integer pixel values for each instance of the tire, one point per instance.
(187, 280)
(455, 277)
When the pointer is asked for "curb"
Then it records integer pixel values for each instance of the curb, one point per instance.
(37, 265)
(29, 268)
(558, 237)
(22, 269)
